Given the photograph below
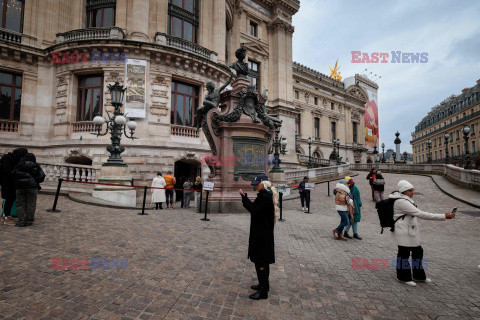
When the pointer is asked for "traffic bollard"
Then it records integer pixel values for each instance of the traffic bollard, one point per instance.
(206, 208)
(144, 199)
(54, 208)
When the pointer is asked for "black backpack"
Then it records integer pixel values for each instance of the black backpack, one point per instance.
(385, 214)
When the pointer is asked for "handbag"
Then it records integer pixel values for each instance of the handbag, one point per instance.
(13, 211)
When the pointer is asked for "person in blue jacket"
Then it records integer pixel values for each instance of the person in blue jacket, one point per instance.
(355, 193)
(304, 194)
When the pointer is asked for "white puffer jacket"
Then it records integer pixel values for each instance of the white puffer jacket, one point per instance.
(406, 230)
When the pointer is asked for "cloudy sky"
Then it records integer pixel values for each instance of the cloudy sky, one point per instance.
(449, 30)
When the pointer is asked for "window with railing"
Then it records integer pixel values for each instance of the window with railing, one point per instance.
(254, 74)
(10, 96)
(90, 97)
(296, 94)
(458, 150)
(12, 15)
(472, 127)
(458, 134)
(441, 157)
(317, 128)
(184, 104)
(315, 100)
(474, 147)
(334, 129)
(100, 13)
(183, 19)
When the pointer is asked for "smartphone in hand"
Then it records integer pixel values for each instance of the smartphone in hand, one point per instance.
(241, 192)
(454, 210)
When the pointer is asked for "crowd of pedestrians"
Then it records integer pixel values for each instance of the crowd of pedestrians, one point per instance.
(20, 178)
(164, 188)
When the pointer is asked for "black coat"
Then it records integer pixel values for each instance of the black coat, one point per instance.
(261, 242)
(7, 164)
(28, 174)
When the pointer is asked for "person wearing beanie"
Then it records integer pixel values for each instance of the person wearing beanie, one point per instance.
(357, 204)
(378, 187)
(407, 234)
(371, 178)
(7, 164)
(27, 175)
(261, 244)
(342, 201)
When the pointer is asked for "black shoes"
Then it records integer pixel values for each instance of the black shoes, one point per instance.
(260, 294)
(356, 236)
(255, 287)
(346, 235)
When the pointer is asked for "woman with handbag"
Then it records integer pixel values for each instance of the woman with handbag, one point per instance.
(342, 202)
(357, 204)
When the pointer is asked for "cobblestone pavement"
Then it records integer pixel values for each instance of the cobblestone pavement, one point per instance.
(182, 268)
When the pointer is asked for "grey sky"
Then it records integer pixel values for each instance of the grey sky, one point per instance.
(327, 30)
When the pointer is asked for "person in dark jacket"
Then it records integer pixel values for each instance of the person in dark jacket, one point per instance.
(371, 178)
(379, 187)
(27, 175)
(304, 194)
(7, 164)
(261, 244)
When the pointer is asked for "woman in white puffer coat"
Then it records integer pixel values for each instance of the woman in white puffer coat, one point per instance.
(407, 235)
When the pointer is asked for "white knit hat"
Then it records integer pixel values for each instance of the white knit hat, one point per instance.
(404, 185)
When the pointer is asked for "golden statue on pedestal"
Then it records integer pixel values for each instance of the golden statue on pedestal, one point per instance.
(335, 73)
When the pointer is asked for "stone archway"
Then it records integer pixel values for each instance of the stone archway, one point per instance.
(369, 160)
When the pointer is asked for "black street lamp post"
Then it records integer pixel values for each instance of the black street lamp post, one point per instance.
(309, 141)
(117, 124)
(383, 152)
(466, 132)
(337, 156)
(279, 145)
(446, 136)
(429, 155)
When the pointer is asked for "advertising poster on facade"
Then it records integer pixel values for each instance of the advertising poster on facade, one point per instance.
(371, 121)
(135, 82)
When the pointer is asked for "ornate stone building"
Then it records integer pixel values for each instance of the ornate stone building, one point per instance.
(450, 116)
(58, 57)
(326, 110)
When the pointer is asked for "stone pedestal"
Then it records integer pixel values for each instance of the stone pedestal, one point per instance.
(126, 196)
(240, 152)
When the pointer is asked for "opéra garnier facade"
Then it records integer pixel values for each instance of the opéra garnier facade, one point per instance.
(446, 120)
(58, 58)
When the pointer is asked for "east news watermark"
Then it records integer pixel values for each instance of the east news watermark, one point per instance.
(93, 57)
(59, 263)
(359, 263)
(389, 57)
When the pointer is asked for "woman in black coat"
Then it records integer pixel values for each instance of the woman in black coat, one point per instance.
(261, 249)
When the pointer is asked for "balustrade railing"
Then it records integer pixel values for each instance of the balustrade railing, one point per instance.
(456, 174)
(11, 36)
(91, 34)
(296, 175)
(190, 132)
(304, 158)
(67, 171)
(8, 126)
(184, 45)
(83, 126)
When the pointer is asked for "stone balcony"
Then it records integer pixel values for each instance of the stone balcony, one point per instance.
(91, 34)
(10, 36)
(187, 46)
